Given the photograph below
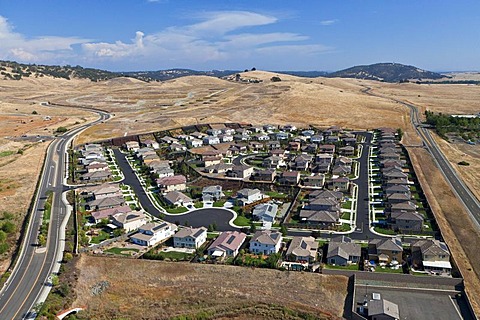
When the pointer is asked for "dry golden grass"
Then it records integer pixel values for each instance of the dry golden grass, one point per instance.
(161, 290)
(456, 152)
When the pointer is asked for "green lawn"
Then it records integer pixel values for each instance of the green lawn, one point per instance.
(344, 227)
(274, 194)
(121, 251)
(176, 210)
(346, 216)
(388, 270)
(347, 205)
(101, 237)
(219, 203)
(242, 221)
(128, 198)
(348, 267)
(385, 231)
(198, 205)
(173, 255)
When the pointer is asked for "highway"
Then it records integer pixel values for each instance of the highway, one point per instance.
(36, 264)
(463, 193)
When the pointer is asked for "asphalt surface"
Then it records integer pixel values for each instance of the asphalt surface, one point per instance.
(463, 193)
(35, 264)
(197, 218)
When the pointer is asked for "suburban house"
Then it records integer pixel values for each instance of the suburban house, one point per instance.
(385, 250)
(209, 161)
(342, 251)
(323, 203)
(174, 183)
(105, 203)
(327, 148)
(406, 221)
(240, 171)
(214, 132)
(341, 184)
(129, 220)
(177, 198)
(190, 238)
(107, 213)
(303, 249)
(212, 193)
(227, 244)
(322, 219)
(290, 177)
(151, 143)
(314, 181)
(316, 139)
(302, 162)
(247, 196)
(152, 233)
(341, 170)
(402, 206)
(274, 162)
(432, 255)
(194, 143)
(326, 194)
(102, 191)
(308, 133)
(211, 140)
(266, 242)
(218, 168)
(132, 146)
(265, 212)
(225, 138)
(94, 176)
(264, 175)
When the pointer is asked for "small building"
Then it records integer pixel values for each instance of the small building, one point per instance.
(266, 242)
(190, 238)
(240, 171)
(194, 143)
(341, 184)
(227, 244)
(290, 177)
(247, 196)
(209, 140)
(132, 146)
(382, 310)
(322, 219)
(264, 175)
(432, 255)
(385, 250)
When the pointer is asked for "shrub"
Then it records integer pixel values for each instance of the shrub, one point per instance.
(8, 227)
(34, 112)
(275, 79)
(61, 130)
(464, 163)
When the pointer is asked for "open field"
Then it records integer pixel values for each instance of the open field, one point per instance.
(162, 290)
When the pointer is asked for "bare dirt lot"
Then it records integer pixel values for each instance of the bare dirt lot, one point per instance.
(162, 290)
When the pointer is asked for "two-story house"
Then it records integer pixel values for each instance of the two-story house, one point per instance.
(266, 242)
(190, 238)
(227, 244)
(385, 250)
(152, 233)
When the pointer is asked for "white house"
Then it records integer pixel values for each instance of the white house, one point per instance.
(129, 220)
(265, 212)
(190, 238)
(211, 140)
(228, 243)
(247, 196)
(152, 233)
(212, 193)
(194, 143)
(266, 242)
(132, 146)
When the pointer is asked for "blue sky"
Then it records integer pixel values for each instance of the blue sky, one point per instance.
(126, 35)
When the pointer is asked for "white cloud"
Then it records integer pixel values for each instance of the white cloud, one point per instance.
(219, 39)
(328, 22)
(15, 46)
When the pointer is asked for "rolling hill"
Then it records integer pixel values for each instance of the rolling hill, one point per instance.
(387, 72)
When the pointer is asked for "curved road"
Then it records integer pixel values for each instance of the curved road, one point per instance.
(463, 193)
(198, 218)
(35, 265)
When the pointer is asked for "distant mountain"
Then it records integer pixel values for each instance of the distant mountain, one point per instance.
(169, 74)
(16, 71)
(388, 72)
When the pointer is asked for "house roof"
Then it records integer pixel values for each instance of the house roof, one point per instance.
(128, 217)
(265, 209)
(107, 202)
(228, 240)
(212, 189)
(406, 215)
(326, 194)
(171, 181)
(343, 249)
(190, 232)
(157, 226)
(319, 216)
(303, 247)
(245, 193)
(324, 201)
(431, 247)
(105, 213)
(174, 196)
(391, 244)
(267, 237)
(379, 307)
(291, 174)
(406, 205)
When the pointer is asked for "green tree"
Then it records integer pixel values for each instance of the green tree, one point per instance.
(3, 236)
(283, 230)
(61, 130)
(67, 256)
(118, 232)
(253, 228)
(8, 227)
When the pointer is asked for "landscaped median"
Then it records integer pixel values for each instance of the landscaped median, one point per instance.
(47, 211)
